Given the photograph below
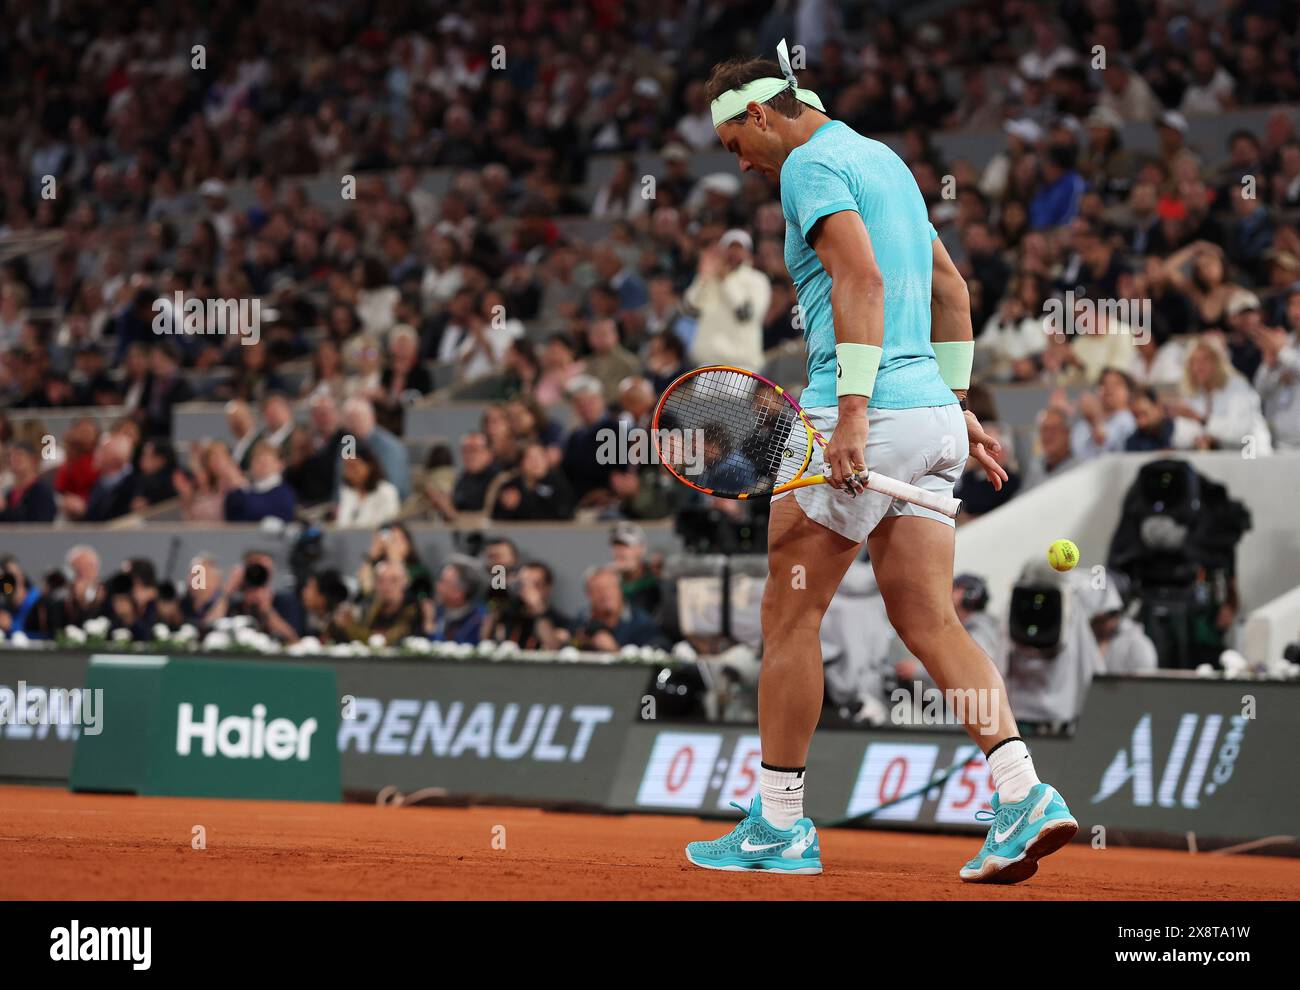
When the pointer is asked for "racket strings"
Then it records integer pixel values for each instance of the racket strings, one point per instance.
(731, 433)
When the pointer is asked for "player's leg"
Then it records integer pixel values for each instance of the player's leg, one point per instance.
(913, 557)
(806, 562)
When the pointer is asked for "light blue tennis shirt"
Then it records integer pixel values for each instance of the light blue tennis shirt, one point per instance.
(838, 169)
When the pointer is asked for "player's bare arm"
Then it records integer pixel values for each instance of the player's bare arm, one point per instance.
(858, 301)
(950, 322)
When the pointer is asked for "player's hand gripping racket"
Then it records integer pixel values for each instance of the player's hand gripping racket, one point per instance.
(733, 434)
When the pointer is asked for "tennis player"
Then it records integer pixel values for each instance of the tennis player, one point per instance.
(888, 330)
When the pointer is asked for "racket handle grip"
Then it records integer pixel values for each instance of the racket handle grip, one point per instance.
(910, 493)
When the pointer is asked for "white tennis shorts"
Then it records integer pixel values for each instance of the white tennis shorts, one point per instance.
(926, 447)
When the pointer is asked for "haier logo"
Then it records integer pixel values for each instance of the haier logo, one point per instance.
(1206, 771)
(239, 737)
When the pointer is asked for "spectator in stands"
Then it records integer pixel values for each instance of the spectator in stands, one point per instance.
(323, 594)
(1219, 409)
(640, 584)
(359, 421)
(456, 613)
(157, 470)
(243, 427)
(165, 388)
(85, 596)
(1207, 284)
(730, 297)
(1104, 421)
(266, 494)
(528, 617)
(609, 362)
(535, 490)
(1278, 378)
(665, 360)
(1060, 191)
(390, 614)
(1015, 336)
(202, 592)
(366, 499)
(560, 365)
(77, 474)
(1056, 456)
(327, 372)
(581, 462)
(393, 543)
(313, 469)
(116, 488)
(610, 623)
(212, 475)
(978, 494)
(1154, 430)
(477, 471)
(30, 498)
(404, 380)
(277, 424)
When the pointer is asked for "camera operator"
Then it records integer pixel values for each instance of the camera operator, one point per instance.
(1125, 647)
(1051, 655)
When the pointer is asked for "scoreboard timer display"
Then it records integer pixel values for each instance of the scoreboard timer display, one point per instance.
(900, 778)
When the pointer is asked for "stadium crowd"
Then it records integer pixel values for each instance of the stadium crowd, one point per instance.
(1161, 289)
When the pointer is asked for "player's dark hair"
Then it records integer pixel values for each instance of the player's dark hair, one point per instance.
(737, 72)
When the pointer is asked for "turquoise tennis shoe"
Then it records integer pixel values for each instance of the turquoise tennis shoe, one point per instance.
(1021, 835)
(758, 845)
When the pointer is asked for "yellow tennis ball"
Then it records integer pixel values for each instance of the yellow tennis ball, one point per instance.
(1063, 555)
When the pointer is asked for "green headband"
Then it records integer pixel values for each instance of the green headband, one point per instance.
(733, 102)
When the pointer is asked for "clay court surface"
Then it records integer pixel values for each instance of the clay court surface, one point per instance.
(56, 845)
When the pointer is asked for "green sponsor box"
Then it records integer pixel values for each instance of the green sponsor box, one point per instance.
(211, 728)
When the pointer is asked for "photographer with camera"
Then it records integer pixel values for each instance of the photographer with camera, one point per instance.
(249, 591)
(527, 616)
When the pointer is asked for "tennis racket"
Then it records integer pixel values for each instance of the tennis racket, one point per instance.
(731, 433)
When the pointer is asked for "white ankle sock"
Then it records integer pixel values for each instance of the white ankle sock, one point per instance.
(1013, 771)
(782, 794)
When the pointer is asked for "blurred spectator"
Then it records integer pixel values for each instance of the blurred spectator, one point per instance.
(1154, 430)
(730, 297)
(117, 485)
(265, 494)
(639, 583)
(1105, 422)
(243, 427)
(157, 469)
(455, 614)
(609, 622)
(315, 458)
(1055, 453)
(366, 498)
(1219, 409)
(277, 424)
(77, 474)
(359, 421)
(582, 463)
(609, 361)
(213, 475)
(165, 388)
(390, 614)
(85, 598)
(30, 498)
(533, 491)
(477, 471)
